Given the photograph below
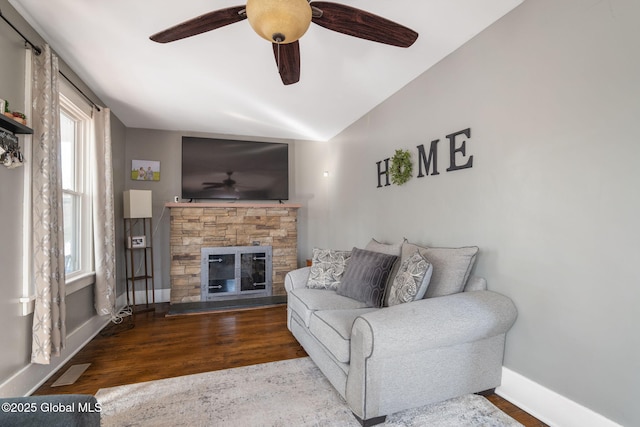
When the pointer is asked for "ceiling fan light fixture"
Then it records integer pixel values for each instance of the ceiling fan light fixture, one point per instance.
(279, 21)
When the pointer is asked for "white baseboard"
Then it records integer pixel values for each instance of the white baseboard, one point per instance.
(33, 375)
(547, 405)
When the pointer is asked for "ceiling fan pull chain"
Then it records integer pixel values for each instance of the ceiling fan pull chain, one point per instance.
(278, 42)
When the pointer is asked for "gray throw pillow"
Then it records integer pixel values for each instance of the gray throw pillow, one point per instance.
(451, 267)
(390, 249)
(327, 268)
(366, 276)
(411, 281)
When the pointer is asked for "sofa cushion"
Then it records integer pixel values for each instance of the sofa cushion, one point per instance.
(451, 267)
(384, 248)
(327, 268)
(411, 281)
(475, 283)
(366, 276)
(333, 329)
(305, 301)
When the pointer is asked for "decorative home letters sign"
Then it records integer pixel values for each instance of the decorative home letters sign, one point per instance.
(428, 162)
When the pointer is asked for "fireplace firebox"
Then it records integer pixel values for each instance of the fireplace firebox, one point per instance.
(236, 272)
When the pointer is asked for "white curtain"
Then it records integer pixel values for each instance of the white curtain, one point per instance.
(103, 215)
(49, 331)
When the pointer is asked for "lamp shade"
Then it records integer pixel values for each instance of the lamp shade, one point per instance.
(279, 21)
(137, 204)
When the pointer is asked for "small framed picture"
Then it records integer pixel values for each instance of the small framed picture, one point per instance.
(145, 170)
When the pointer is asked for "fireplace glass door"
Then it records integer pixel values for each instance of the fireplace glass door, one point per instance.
(236, 272)
(253, 271)
(222, 273)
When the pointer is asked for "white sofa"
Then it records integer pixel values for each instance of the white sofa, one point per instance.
(384, 360)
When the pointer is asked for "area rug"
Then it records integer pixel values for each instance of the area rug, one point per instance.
(285, 393)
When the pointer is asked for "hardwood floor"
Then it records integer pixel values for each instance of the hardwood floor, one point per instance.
(152, 346)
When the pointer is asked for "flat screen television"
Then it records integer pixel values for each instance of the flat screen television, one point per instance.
(232, 169)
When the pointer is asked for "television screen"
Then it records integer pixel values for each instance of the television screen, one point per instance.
(230, 169)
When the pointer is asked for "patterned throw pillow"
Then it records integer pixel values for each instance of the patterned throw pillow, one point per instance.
(327, 268)
(366, 276)
(411, 281)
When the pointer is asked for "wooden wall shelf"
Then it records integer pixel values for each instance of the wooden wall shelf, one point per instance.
(13, 126)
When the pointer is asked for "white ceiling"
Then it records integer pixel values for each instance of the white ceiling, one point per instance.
(225, 81)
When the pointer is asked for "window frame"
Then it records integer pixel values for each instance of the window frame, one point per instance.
(83, 132)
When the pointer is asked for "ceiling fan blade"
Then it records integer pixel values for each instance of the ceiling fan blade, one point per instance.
(201, 24)
(288, 61)
(358, 23)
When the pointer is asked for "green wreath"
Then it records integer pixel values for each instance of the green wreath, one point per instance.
(401, 167)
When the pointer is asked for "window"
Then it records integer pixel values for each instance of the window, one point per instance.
(75, 132)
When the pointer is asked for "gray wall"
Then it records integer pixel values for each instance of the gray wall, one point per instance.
(552, 95)
(11, 187)
(16, 331)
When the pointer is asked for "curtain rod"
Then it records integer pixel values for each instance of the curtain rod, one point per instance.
(38, 51)
(80, 91)
(33, 46)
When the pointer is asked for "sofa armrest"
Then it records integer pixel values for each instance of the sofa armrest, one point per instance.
(432, 323)
(296, 278)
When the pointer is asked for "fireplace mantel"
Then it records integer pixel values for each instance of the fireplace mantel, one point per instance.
(219, 224)
(232, 205)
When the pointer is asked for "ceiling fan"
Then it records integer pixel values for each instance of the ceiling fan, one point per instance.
(283, 22)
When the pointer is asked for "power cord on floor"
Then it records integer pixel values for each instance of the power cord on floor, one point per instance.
(118, 317)
(118, 324)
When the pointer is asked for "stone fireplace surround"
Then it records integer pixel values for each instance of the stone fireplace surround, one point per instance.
(197, 225)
